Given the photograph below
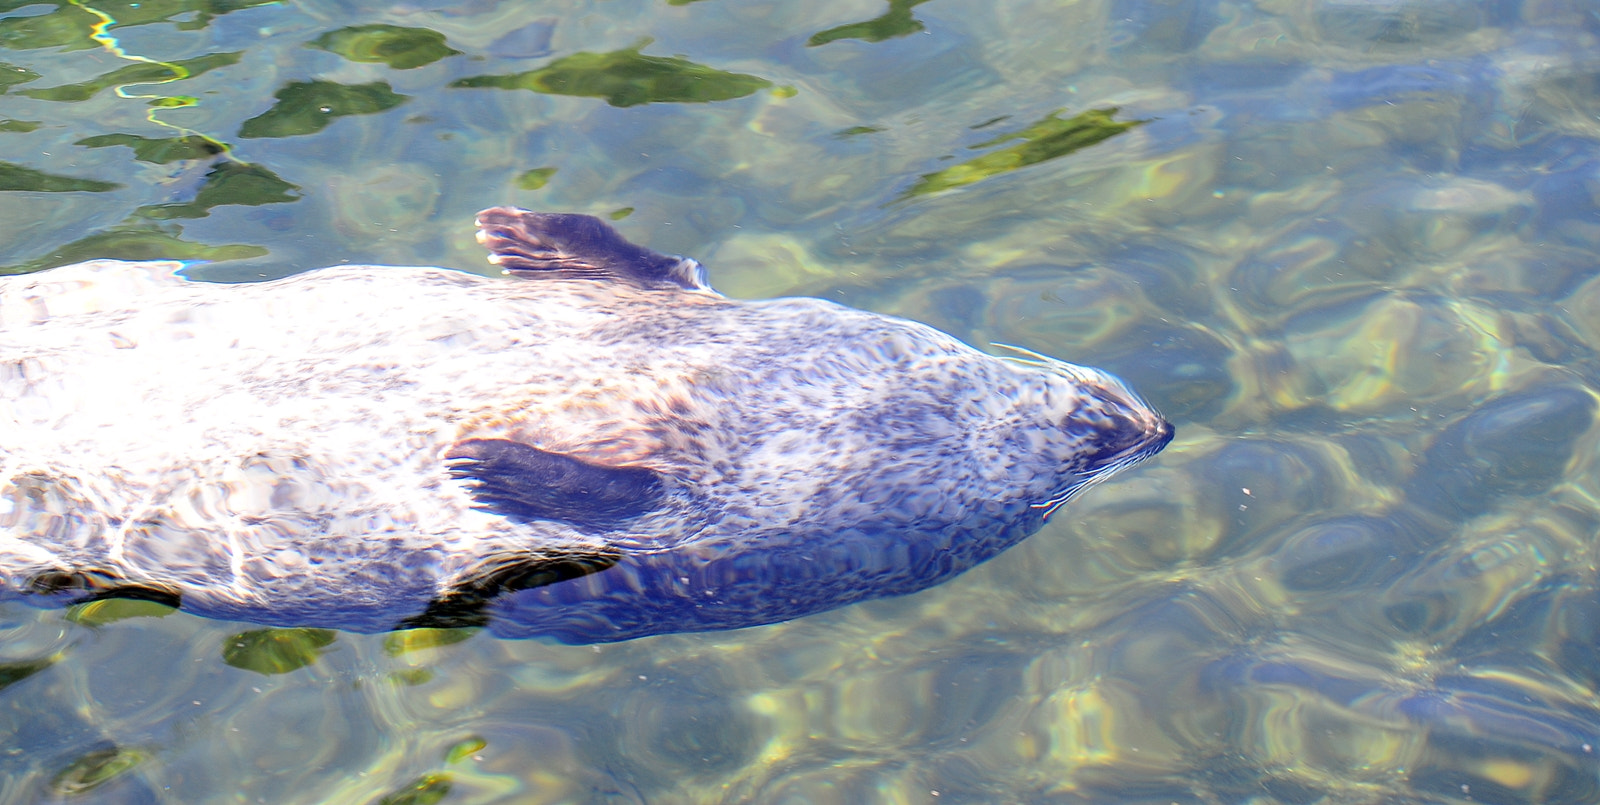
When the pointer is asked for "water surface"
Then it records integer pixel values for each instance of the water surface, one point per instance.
(1351, 247)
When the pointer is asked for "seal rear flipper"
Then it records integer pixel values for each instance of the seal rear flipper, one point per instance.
(524, 483)
(562, 245)
(466, 604)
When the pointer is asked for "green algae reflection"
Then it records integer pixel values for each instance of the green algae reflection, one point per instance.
(20, 178)
(228, 183)
(158, 150)
(13, 672)
(306, 107)
(627, 78)
(425, 790)
(897, 21)
(400, 48)
(138, 73)
(12, 75)
(71, 27)
(855, 131)
(276, 651)
(535, 179)
(136, 243)
(401, 642)
(110, 610)
(1044, 140)
(96, 768)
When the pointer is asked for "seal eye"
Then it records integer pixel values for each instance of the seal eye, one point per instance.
(523, 483)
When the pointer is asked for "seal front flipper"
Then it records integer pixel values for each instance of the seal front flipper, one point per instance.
(561, 245)
(467, 602)
(100, 585)
(523, 483)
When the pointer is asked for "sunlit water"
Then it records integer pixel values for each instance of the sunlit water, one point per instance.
(1351, 247)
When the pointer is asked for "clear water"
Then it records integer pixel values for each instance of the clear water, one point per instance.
(1351, 247)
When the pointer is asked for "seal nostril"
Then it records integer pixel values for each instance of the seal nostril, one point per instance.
(1162, 435)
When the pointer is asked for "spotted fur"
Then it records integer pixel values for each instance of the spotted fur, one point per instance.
(300, 452)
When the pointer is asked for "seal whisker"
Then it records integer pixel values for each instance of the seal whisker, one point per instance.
(1071, 371)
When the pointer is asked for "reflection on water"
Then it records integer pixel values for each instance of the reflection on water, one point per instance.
(275, 651)
(897, 21)
(627, 78)
(307, 107)
(136, 243)
(95, 769)
(21, 178)
(12, 75)
(146, 73)
(400, 48)
(160, 150)
(75, 26)
(535, 179)
(227, 182)
(1045, 139)
(1349, 246)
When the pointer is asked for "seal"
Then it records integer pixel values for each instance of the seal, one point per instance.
(595, 448)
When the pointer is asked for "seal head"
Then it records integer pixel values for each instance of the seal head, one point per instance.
(597, 447)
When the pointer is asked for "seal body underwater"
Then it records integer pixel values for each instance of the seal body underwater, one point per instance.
(596, 448)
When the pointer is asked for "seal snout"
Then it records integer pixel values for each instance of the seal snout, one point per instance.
(1125, 439)
(1131, 430)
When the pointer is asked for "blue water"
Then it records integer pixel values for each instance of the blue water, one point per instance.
(1350, 247)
